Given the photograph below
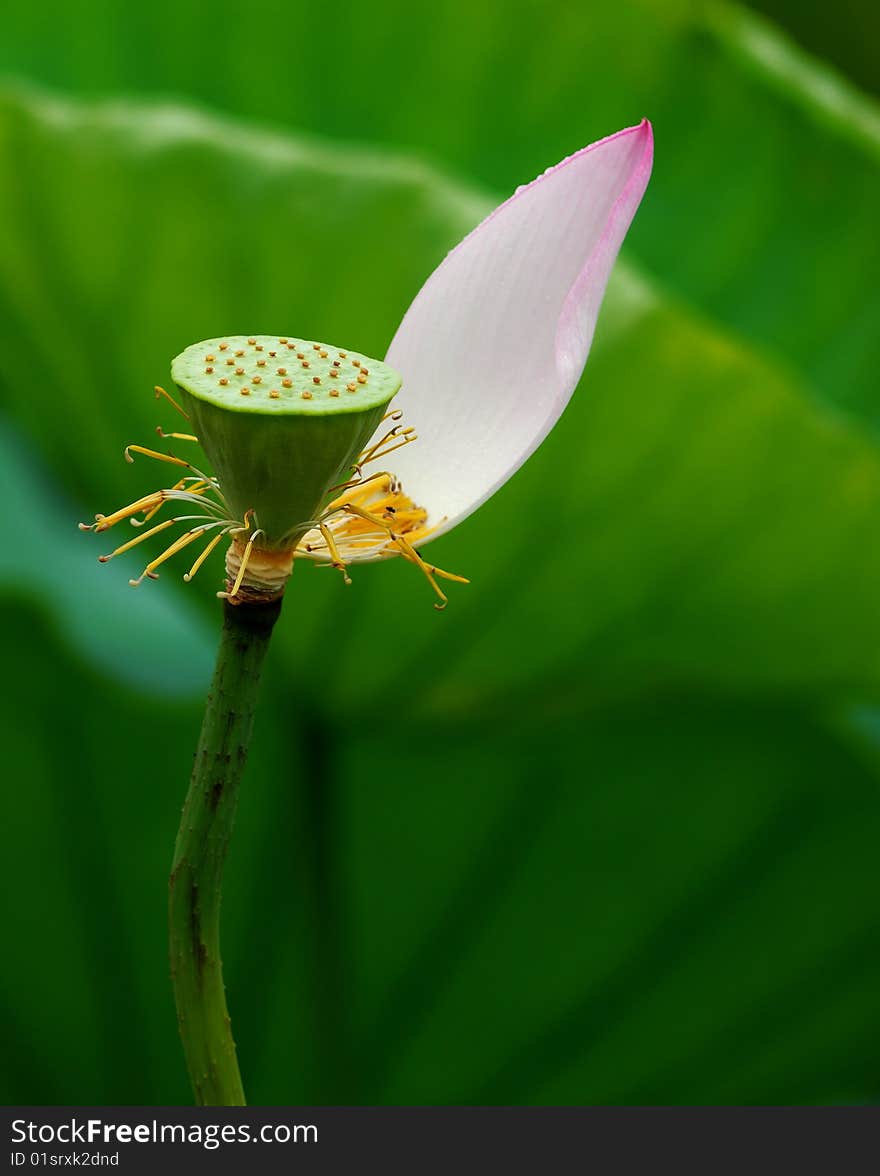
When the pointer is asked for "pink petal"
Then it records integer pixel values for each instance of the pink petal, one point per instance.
(496, 340)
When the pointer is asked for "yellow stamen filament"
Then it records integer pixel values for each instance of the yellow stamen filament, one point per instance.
(356, 481)
(198, 487)
(338, 561)
(161, 392)
(150, 503)
(178, 461)
(244, 525)
(407, 551)
(176, 546)
(369, 517)
(400, 439)
(105, 522)
(243, 567)
(137, 539)
(374, 451)
(204, 554)
(373, 518)
(155, 510)
(383, 453)
(167, 457)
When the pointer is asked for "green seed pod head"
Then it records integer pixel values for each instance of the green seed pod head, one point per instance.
(281, 420)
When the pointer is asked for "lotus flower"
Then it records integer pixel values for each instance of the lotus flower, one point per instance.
(488, 353)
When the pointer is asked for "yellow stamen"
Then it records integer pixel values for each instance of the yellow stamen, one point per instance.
(176, 436)
(152, 513)
(204, 555)
(391, 448)
(243, 567)
(366, 517)
(138, 539)
(183, 541)
(354, 482)
(399, 436)
(161, 392)
(178, 461)
(407, 551)
(209, 483)
(151, 504)
(338, 561)
(104, 522)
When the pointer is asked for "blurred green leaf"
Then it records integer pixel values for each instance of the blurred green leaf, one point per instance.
(847, 41)
(764, 158)
(643, 904)
(660, 903)
(587, 836)
(94, 777)
(148, 641)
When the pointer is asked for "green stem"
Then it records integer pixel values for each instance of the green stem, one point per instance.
(200, 853)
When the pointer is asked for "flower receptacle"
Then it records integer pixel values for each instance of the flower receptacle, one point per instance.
(282, 421)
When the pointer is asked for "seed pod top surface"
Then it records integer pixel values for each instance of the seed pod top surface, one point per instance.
(283, 376)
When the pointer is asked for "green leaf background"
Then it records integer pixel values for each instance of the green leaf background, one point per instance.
(605, 831)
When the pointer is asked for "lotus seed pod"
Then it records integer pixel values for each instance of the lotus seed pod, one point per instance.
(282, 421)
